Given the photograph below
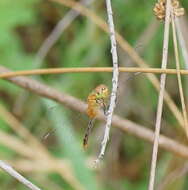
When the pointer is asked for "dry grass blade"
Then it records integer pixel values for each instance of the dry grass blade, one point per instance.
(179, 74)
(16, 144)
(29, 166)
(90, 70)
(16, 175)
(161, 97)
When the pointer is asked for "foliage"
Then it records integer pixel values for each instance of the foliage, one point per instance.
(24, 25)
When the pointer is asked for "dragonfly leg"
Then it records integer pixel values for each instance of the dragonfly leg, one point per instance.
(104, 107)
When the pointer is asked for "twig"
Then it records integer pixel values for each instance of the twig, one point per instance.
(114, 80)
(161, 97)
(61, 26)
(179, 74)
(16, 175)
(89, 70)
(75, 104)
(127, 48)
(125, 92)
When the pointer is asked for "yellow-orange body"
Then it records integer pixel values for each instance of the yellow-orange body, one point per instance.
(92, 106)
(96, 100)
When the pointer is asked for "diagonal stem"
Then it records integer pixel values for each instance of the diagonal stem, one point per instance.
(16, 175)
(161, 97)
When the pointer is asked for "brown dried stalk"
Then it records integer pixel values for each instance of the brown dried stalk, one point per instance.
(161, 97)
(16, 175)
(90, 70)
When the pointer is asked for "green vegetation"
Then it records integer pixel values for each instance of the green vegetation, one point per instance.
(24, 25)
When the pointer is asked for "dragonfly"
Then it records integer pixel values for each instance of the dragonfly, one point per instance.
(96, 100)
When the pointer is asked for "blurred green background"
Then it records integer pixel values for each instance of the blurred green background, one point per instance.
(24, 25)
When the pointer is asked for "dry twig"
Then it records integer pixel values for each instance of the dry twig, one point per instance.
(114, 80)
(16, 175)
(161, 97)
(90, 70)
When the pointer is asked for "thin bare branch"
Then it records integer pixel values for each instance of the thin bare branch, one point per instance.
(115, 78)
(75, 104)
(179, 74)
(90, 70)
(17, 176)
(61, 26)
(161, 97)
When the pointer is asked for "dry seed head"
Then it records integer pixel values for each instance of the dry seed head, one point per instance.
(160, 9)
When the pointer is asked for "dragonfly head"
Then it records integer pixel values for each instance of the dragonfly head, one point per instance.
(102, 91)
